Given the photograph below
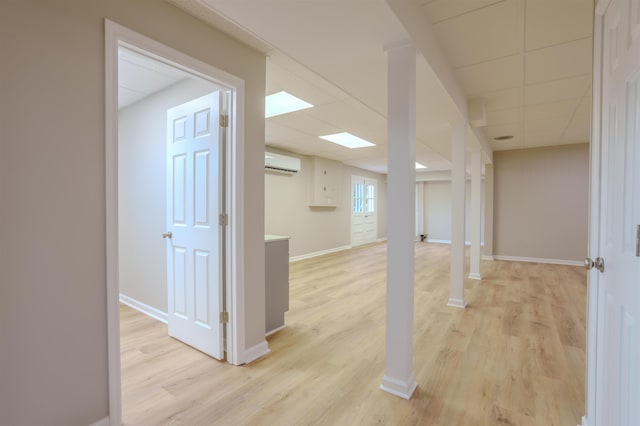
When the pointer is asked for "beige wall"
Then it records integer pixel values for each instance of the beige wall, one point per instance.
(53, 323)
(541, 202)
(142, 174)
(437, 201)
(314, 229)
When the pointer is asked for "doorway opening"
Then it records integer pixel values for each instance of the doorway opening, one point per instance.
(147, 78)
(364, 210)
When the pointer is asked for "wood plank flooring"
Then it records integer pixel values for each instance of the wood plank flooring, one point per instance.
(515, 356)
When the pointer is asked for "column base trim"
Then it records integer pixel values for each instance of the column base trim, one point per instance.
(457, 303)
(401, 388)
(473, 276)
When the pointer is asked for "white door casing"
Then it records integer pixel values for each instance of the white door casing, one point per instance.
(364, 218)
(614, 386)
(194, 252)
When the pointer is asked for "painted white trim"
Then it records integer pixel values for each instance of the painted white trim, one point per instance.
(255, 352)
(144, 308)
(398, 387)
(102, 422)
(318, 253)
(457, 303)
(275, 330)
(466, 243)
(539, 260)
(584, 422)
(381, 240)
(117, 35)
(487, 257)
(475, 277)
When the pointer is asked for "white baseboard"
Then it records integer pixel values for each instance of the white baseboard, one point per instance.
(584, 422)
(101, 422)
(144, 308)
(457, 303)
(380, 240)
(275, 330)
(539, 260)
(401, 388)
(256, 352)
(466, 243)
(318, 253)
(487, 257)
(475, 277)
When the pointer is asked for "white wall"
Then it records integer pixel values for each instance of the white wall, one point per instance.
(53, 320)
(437, 200)
(142, 191)
(314, 229)
(541, 202)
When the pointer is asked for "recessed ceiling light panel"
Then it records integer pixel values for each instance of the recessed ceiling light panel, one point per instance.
(282, 103)
(348, 140)
(420, 166)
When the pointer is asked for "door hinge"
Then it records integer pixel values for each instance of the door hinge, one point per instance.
(224, 120)
(224, 317)
(223, 219)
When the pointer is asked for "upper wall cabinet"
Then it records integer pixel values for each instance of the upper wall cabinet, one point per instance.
(326, 182)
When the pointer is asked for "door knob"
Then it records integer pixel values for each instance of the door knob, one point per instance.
(598, 264)
(167, 235)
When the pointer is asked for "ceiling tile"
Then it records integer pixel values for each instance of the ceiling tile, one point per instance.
(439, 10)
(495, 32)
(541, 138)
(557, 62)
(503, 99)
(552, 117)
(503, 73)
(579, 129)
(552, 22)
(504, 116)
(557, 90)
(275, 133)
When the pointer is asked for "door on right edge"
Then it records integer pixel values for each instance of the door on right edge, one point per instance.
(618, 340)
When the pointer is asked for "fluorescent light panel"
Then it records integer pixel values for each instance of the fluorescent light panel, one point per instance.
(420, 166)
(282, 103)
(347, 140)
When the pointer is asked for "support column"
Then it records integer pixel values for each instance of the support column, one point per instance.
(398, 377)
(475, 224)
(458, 183)
(487, 251)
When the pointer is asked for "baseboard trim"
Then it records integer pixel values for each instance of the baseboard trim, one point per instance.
(487, 257)
(101, 422)
(275, 330)
(256, 352)
(457, 303)
(144, 308)
(539, 260)
(381, 240)
(584, 422)
(466, 243)
(318, 253)
(475, 277)
(401, 388)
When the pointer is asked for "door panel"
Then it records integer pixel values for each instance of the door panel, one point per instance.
(193, 205)
(364, 221)
(618, 340)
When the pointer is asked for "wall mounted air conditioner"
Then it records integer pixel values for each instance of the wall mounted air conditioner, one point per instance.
(281, 163)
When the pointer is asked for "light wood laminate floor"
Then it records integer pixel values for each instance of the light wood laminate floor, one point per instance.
(515, 356)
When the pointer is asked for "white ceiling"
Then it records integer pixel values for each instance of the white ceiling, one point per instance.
(139, 77)
(529, 59)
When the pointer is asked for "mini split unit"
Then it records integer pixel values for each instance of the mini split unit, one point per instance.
(281, 163)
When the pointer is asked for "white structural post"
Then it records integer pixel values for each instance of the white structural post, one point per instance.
(487, 252)
(458, 184)
(475, 224)
(398, 377)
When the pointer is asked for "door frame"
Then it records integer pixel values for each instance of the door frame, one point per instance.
(117, 35)
(593, 399)
(364, 180)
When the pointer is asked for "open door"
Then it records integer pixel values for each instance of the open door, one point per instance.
(194, 249)
(616, 253)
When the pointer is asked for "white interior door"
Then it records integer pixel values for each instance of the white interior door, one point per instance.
(364, 217)
(618, 315)
(194, 253)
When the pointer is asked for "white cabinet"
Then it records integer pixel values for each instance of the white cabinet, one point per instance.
(326, 182)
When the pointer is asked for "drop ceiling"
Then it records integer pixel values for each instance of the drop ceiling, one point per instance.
(529, 59)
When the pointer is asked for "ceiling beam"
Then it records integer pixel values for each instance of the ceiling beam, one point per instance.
(411, 16)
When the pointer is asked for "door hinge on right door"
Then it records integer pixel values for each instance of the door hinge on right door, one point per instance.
(224, 317)
(223, 219)
(224, 120)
